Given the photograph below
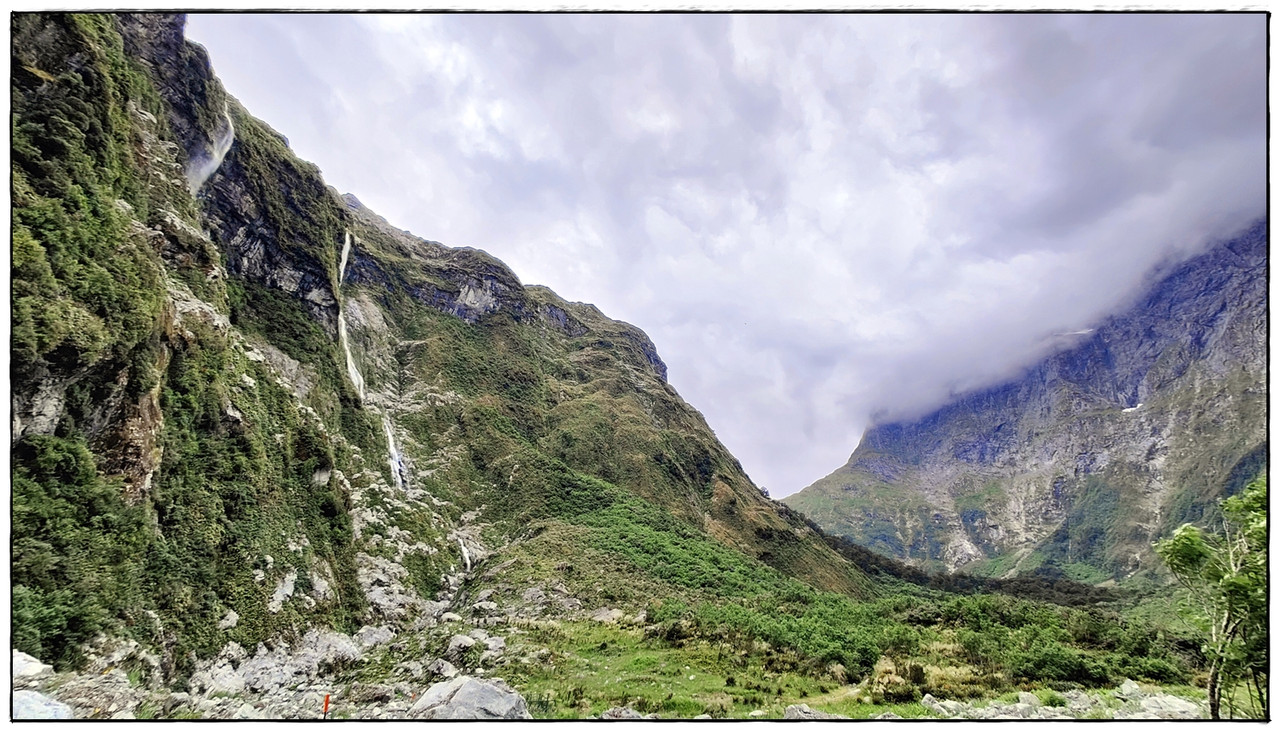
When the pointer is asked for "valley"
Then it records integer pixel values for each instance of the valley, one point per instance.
(275, 458)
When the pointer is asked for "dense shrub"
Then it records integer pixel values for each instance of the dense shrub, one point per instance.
(77, 549)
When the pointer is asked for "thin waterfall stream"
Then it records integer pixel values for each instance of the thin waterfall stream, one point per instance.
(398, 473)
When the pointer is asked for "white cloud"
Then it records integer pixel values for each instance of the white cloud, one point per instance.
(816, 218)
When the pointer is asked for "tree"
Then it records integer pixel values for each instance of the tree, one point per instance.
(1226, 577)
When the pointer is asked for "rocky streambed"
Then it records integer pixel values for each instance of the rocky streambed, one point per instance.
(39, 693)
(108, 691)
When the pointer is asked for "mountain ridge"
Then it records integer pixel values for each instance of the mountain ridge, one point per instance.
(1199, 328)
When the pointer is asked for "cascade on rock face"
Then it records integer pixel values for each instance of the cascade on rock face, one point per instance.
(466, 556)
(354, 373)
(393, 453)
(202, 167)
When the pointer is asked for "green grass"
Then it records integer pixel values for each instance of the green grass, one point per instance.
(600, 666)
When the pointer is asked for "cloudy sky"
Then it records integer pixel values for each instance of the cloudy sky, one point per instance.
(820, 220)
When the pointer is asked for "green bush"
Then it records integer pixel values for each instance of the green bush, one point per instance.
(77, 550)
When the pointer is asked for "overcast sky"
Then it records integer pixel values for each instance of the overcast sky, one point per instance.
(820, 220)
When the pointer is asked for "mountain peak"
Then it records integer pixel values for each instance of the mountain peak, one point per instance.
(1140, 424)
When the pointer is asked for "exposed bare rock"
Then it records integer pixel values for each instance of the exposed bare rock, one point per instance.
(466, 697)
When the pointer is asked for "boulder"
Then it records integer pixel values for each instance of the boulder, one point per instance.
(413, 668)
(371, 635)
(1026, 697)
(945, 708)
(1020, 710)
(1078, 701)
(246, 711)
(221, 678)
(459, 644)
(28, 668)
(802, 711)
(1129, 690)
(1166, 706)
(366, 694)
(469, 698)
(607, 615)
(34, 705)
(621, 713)
(442, 668)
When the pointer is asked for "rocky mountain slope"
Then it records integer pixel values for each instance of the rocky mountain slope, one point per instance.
(1139, 424)
(245, 406)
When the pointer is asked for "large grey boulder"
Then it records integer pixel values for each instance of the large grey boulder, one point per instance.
(802, 711)
(34, 705)
(27, 668)
(946, 707)
(466, 697)
(1129, 690)
(1166, 706)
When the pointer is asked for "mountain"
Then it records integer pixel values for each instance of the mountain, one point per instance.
(1139, 424)
(237, 392)
(271, 453)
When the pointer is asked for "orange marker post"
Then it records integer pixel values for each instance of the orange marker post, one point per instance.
(326, 706)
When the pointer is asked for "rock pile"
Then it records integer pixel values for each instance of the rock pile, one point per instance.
(1128, 701)
(285, 683)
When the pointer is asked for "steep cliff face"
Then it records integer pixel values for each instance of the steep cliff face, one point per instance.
(245, 405)
(1095, 452)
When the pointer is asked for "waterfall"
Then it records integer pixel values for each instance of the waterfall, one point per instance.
(393, 454)
(357, 380)
(466, 557)
(354, 373)
(201, 167)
